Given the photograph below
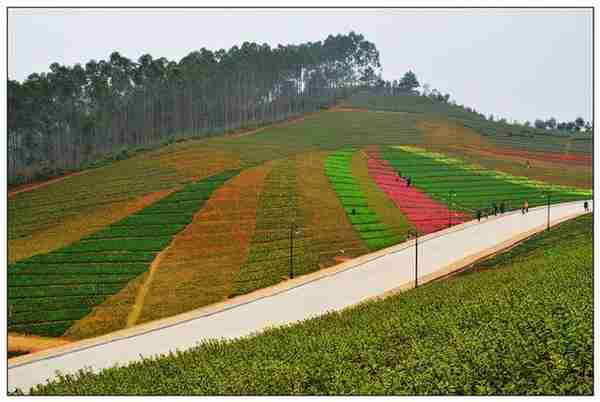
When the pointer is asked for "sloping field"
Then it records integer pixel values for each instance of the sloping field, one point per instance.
(241, 242)
(377, 199)
(326, 222)
(425, 213)
(529, 335)
(369, 225)
(79, 225)
(278, 213)
(200, 266)
(48, 292)
(455, 140)
(473, 187)
(60, 207)
(503, 135)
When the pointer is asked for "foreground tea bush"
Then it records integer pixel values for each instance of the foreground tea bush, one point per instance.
(524, 326)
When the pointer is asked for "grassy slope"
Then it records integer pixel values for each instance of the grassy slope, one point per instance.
(461, 134)
(523, 327)
(36, 216)
(502, 134)
(61, 213)
(94, 195)
(456, 140)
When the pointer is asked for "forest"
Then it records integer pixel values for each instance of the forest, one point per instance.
(73, 116)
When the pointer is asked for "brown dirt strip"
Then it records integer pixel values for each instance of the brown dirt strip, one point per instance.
(73, 229)
(31, 343)
(284, 123)
(357, 109)
(109, 316)
(201, 264)
(325, 218)
(33, 186)
(196, 159)
(136, 310)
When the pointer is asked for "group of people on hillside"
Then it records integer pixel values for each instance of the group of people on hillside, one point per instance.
(493, 210)
(407, 179)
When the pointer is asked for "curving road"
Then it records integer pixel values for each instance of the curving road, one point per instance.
(330, 289)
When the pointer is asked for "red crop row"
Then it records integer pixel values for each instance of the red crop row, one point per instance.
(426, 214)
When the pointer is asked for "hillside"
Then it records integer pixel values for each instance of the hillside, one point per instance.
(199, 221)
(508, 326)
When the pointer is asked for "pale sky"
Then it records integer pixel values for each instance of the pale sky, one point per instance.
(519, 64)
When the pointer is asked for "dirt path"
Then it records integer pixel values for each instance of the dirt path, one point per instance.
(30, 343)
(287, 122)
(134, 315)
(357, 109)
(34, 186)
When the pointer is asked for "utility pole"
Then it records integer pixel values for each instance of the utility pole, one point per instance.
(292, 230)
(416, 234)
(548, 225)
(416, 260)
(450, 194)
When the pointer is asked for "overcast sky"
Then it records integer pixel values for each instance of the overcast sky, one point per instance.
(518, 64)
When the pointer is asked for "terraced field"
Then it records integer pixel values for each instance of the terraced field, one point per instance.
(369, 225)
(472, 187)
(48, 292)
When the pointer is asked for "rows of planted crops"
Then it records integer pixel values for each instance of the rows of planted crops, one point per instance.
(48, 292)
(278, 209)
(470, 187)
(369, 225)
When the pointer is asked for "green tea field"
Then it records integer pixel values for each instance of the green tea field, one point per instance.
(234, 214)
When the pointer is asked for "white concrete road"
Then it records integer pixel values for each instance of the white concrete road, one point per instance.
(367, 277)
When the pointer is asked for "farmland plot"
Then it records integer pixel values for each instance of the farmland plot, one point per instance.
(268, 260)
(48, 292)
(369, 225)
(471, 187)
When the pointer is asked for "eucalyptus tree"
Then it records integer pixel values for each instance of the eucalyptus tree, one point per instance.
(70, 116)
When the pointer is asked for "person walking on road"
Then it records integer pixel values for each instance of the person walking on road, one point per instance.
(586, 206)
(525, 207)
(502, 207)
(495, 208)
(478, 215)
